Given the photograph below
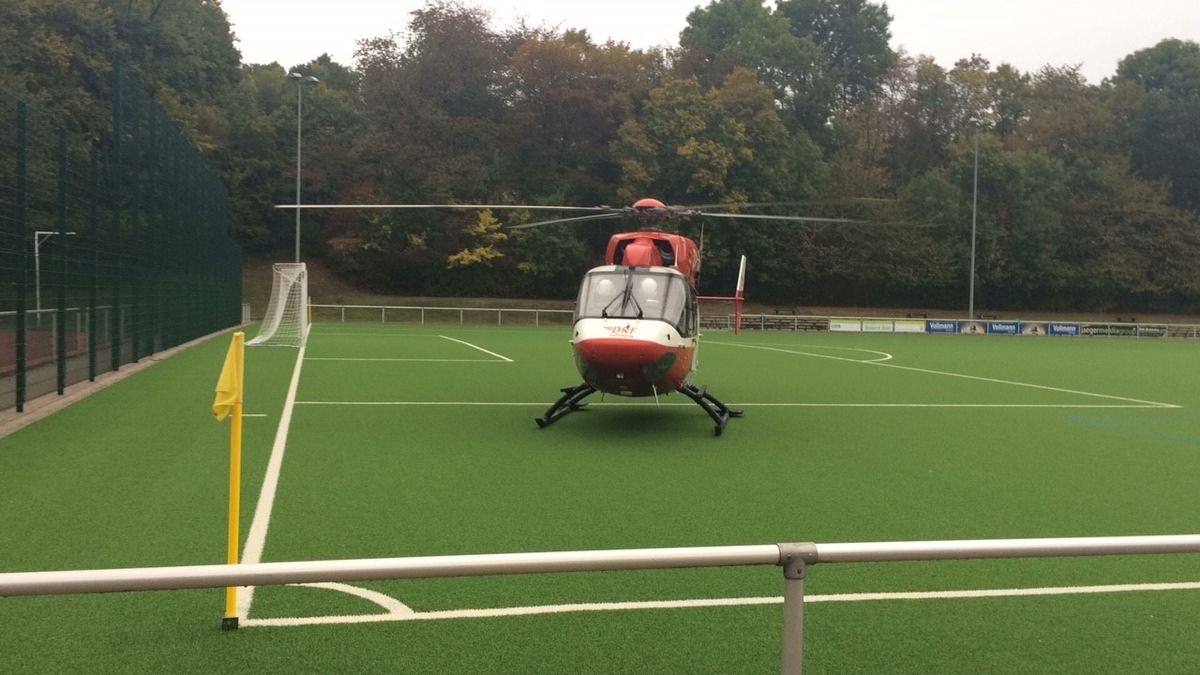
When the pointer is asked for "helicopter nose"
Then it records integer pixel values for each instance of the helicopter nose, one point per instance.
(659, 369)
(628, 367)
(629, 354)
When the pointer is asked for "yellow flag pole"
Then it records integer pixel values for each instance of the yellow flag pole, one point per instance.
(236, 352)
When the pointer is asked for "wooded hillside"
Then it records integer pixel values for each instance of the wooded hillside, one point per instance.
(1088, 194)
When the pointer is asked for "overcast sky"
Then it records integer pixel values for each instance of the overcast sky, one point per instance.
(1029, 34)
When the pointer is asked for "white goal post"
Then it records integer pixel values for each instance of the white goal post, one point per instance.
(286, 322)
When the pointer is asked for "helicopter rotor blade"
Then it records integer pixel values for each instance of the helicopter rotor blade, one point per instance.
(756, 216)
(575, 219)
(525, 207)
(609, 212)
(838, 221)
(826, 201)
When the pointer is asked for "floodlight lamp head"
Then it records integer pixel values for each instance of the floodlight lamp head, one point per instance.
(311, 80)
(294, 75)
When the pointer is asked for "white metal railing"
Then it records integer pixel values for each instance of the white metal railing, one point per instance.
(442, 315)
(794, 558)
(776, 321)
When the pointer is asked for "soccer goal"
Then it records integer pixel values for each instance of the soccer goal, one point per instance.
(286, 321)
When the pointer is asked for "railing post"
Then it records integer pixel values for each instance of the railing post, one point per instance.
(794, 558)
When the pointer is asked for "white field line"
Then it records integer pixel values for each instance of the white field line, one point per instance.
(504, 358)
(334, 358)
(1152, 404)
(403, 613)
(362, 334)
(603, 404)
(257, 538)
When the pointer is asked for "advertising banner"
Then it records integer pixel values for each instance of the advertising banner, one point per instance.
(941, 326)
(1062, 329)
(1151, 331)
(877, 326)
(1003, 328)
(903, 326)
(1033, 328)
(845, 325)
(972, 328)
(1107, 329)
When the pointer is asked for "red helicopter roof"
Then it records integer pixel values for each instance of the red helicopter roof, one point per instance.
(655, 249)
(649, 203)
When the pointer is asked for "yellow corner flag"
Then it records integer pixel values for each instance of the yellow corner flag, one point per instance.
(229, 400)
(229, 384)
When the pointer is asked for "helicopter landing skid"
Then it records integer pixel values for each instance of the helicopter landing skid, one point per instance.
(718, 410)
(567, 404)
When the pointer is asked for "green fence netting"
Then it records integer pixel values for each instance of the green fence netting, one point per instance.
(111, 248)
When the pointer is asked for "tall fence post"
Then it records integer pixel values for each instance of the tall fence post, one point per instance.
(93, 338)
(60, 305)
(22, 216)
(114, 240)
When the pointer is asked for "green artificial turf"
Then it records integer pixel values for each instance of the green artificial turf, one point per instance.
(410, 441)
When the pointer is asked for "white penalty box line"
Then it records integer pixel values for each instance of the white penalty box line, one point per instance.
(497, 358)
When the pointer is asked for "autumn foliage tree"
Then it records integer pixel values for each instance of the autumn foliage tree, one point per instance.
(1087, 193)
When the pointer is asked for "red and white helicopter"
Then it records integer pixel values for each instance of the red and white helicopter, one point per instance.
(636, 324)
(637, 327)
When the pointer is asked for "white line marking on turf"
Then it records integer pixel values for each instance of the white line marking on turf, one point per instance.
(330, 358)
(257, 537)
(505, 358)
(651, 404)
(393, 606)
(410, 615)
(1153, 404)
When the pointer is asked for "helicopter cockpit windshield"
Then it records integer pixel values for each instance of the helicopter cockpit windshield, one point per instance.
(633, 293)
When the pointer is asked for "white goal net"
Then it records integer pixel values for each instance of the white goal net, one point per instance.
(286, 321)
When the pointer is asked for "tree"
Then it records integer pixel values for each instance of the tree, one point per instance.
(729, 34)
(435, 114)
(1164, 135)
(57, 55)
(853, 34)
(1009, 91)
(923, 119)
(436, 107)
(570, 97)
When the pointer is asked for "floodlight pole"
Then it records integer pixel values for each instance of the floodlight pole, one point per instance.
(974, 212)
(300, 81)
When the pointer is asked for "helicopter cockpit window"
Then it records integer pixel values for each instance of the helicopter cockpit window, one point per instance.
(633, 293)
